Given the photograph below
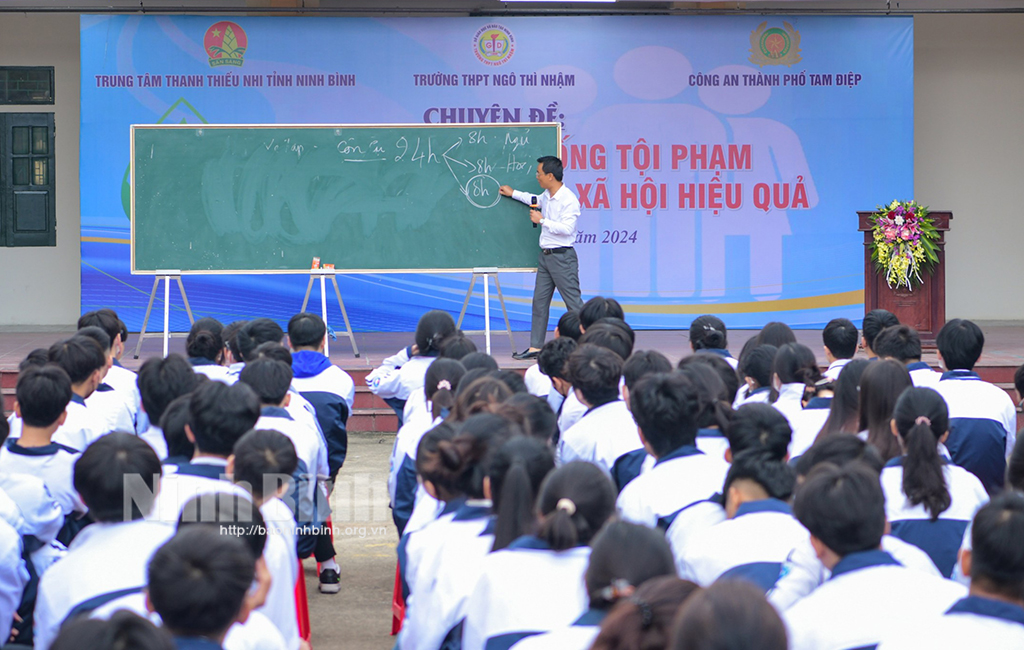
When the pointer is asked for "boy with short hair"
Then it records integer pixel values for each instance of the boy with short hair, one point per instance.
(122, 380)
(639, 364)
(902, 343)
(875, 321)
(114, 405)
(840, 341)
(160, 382)
(553, 361)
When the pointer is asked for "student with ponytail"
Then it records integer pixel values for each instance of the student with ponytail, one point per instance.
(536, 584)
(708, 334)
(929, 501)
(644, 620)
(844, 410)
(755, 373)
(880, 386)
(794, 370)
(205, 349)
(714, 405)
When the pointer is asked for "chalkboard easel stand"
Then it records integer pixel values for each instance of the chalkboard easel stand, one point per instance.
(485, 273)
(166, 334)
(322, 274)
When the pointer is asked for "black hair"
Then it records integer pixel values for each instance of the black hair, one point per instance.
(841, 450)
(729, 615)
(844, 410)
(306, 330)
(106, 472)
(553, 359)
(205, 340)
(478, 395)
(875, 321)
(230, 336)
(960, 343)
(516, 472)
(79, 356)
(161, 381)
(642, 363)
(774, 475)
(475, 442)
(795, 364)
(708, 333)
(124, 329)
(713, 403)
(624, 556)
(198, 581)
(172, 424)
(254, 333)
(900, 342)
(233, 515)
(997, 556)
(43, 395)
(432, 328)
(541, 419)
(457, 346)
(776, 333)
(597, 308)
(275, 351)
(840, 336)
(730, 380)
(880, 387)
(844, 507)
(35, 359)
(441, 382)
(512, 379)
(219, 415)
(1015, 466)
(125, 629)
(551, 165)
(105, 319)
(644, 621)
(922, 418)
(264, 460)
(610, 336)
(665, 406)
(574, 503)
(569, 325)
(617, 322)
(96, 334)
(1018, 380)
(438, 461)
(759, 427)
(757, 364)
(595, 371)
(479, 360)
(269, 379)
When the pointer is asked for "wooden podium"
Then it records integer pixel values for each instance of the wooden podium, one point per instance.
(924, 308)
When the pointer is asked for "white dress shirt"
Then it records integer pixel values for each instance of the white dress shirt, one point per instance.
(561, 210)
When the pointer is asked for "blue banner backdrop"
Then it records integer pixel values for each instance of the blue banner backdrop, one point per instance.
(719, 160)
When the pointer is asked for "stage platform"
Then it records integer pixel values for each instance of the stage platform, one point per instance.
(1004, 353)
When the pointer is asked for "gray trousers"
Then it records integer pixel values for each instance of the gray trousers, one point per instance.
(555, 271)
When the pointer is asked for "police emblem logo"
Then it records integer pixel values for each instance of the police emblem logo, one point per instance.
(775, 46)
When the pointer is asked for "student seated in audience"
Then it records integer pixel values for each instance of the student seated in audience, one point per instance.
(179, 448)
(639, 364)
(537, 382)
(624, 556)
(553, 362)
(106, 402)
(754, 542)
(844, 510)
(902, 343)
(928, 500)
(15, 578)
(161, 381)
(794, 371)
(708, 334)
(233, 359)
(613, 335)
(205, 349)
(597, 308)
(729, 615)
(992, 615)
(983, 420)
(776, 334)
(298, 406)
(538, 419)
(116, 478)
(843, 410)
(880, 386)
(840, 338)
(755, 370)
(607, 430)
(664, 408)
(714, 404)
(219, 415)
(874, 322)
(575, 502)
(125, 629)
(122, 380)
(644, 620)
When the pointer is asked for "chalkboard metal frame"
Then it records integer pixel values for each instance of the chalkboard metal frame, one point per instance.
(178, 272)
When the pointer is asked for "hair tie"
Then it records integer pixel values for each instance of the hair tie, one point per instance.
(619, 588)
(567, 505)
(646, 613)
(444, 384)
(923, 420)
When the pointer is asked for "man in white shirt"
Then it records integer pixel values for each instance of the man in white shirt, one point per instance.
(556, 212)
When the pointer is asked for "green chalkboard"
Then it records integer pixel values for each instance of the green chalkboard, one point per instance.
(366, 198)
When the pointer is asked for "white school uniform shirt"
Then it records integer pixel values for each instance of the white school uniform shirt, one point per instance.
(417, 545)
(868, 597)
(757, 396)
(114, 407)
(922, 375)
(790, 401)
(80, 428)
(403, 486)
(537, 383)
(211, 369)
(523, 590)
(198, 477)
(689, 524)
(712, 442)
(803, 572)
(425, 510)
(14, 575)
(283, 565)
(982, 425)
(278, 515)
(678, 480)
(53, 463)
(125, 382)
(832, 372)
(807, 423)
(751, 546)
(104, 562)
(572, 409)
(560, 211)
(940, 539)
(257, 633)
(415, 406)
(732, 361)
(601, 436)
(309, 445)
(973, 622)
(154, 435)
(578, 636)
(27, 505)
(400, 383)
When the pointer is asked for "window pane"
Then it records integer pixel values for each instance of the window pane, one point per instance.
(20, 144)
(39, 171)
(40, 140)
(20, 171)
(26, 85)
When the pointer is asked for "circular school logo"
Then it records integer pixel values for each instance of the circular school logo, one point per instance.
(493, 44)
(225, 44)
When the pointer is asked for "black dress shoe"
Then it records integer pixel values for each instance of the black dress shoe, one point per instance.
(525, 355)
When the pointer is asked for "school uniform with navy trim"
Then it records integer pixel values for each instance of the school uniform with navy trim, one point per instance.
(712, 442)
(790, 400)
(807, 423)
(54, 463)
(14, 574)
(203, 475)
(525, 590)
(940, 538)
(154, 436)
(869, 596)
(210, 368)
(744, 395)
(27, 505)
(570, 411)
(689, 524)
(104, 562)
(922, 375)
(331, 392)
(126, 383)
(114, 407)
(678, 479)
(403, 485)
(257, 633)
(601, 436)
(578, 636)
(751, 546)
(982, 426)
(732, 361)
(974, 622)
(81, 428)
(832, 372)
(631, 465)
(312, 455)
(401, 381)
(282, 563)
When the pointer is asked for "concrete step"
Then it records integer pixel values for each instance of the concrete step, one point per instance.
(367, 400)
(373, 421)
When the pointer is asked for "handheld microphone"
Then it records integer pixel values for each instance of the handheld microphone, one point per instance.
(533, 206)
